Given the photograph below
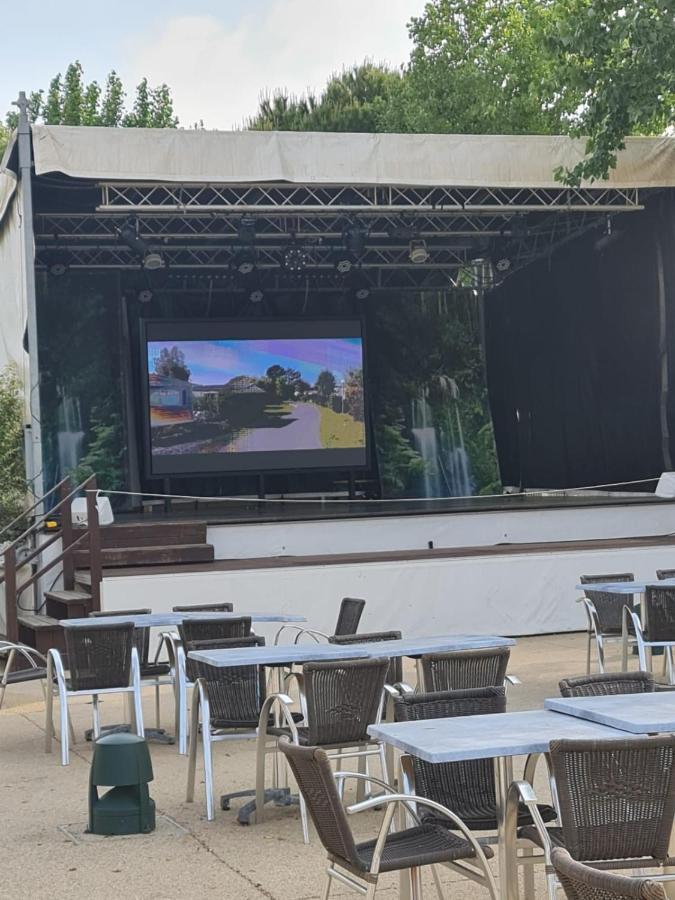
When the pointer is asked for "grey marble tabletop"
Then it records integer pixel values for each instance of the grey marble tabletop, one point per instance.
(172, 618)
(625, 587)
(438, 644)
(486, 736)
(278, 655)
(637, 713)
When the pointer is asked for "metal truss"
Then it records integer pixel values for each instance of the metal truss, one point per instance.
(303, 198)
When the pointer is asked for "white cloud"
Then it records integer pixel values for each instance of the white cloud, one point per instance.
(217, 72)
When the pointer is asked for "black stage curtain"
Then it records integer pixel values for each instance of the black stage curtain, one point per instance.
(573, 359)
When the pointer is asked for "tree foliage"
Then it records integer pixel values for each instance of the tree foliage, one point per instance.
(171, 364)
(70, 100)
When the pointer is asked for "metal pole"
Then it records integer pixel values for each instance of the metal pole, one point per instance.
(34, 426)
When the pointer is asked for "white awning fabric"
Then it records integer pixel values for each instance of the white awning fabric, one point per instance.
(217, 157)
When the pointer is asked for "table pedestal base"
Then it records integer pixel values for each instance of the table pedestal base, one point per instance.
(246, 814)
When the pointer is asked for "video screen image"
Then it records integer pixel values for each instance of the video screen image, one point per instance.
(239, 397)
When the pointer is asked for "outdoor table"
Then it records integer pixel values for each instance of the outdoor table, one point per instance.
(637, 590)
(496, 736)
(172, 618)
(651, 713)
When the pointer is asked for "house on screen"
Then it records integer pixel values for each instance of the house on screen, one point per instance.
(170, 400)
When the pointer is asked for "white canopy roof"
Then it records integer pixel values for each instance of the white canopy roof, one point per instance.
(217, 157)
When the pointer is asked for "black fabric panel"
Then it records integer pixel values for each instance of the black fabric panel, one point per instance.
(572, 347)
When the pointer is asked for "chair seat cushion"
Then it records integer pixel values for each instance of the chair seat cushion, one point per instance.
(303, 737)
(420, 846)
(18, 676)
(252, 723)
(486, 819)
(155, 670)
(530, 833)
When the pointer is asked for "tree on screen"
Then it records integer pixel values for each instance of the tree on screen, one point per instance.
(171, 364)
(354, 394)
(325, 386)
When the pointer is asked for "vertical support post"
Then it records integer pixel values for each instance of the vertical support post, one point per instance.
(32, 389)
(11, 623)
(67, 537)
(95, 568)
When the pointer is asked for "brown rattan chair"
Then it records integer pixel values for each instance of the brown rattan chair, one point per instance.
(205, 607)
(467, 788)
(153, 674)
(102, 659)
(348, 620)
(616, 801)
(464, 669)
(395, 671)
(606, 683)
(658, 629)
(227, 702)
(604, 611)
(581, 882)
(33, 666)
(194, 629)
(339, 700)
(663, 574)
(359, 865)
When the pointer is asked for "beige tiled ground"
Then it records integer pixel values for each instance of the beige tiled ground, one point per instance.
(221, 859)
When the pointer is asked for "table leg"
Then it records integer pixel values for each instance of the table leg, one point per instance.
(508, 886)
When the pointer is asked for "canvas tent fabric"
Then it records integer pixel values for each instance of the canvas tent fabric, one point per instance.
(188, 156)
(12, 300)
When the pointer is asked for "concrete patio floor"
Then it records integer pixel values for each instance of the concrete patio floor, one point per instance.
(44, 805)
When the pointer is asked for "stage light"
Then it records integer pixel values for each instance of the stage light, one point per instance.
(144, 296)
(256, 296)
(354, 239)
(503, 264)
(295, 260)
(418, 252)
(344, 264)
(153, 261)
(128, 234)
(362, 293)
(245, 262)
(57, 269)
(246, 230)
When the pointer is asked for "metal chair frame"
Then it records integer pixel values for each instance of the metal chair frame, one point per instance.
(31, 655)
(643, 646)
(57, 684)
(594, 631)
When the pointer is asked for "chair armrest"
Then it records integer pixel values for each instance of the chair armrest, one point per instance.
(341, 776)
(315, 635)
(523, 792)
(55, 668)
(286, 627)
(284, 702)
(513, 679)
(300, 679)
(30, 654)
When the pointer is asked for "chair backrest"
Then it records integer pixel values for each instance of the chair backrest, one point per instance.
(312, 771)
(659, 623)
(99, 656)
(617, 797)
(205, 607)
(213, 629)
(236, 693)
(141, 635)
(465, 669)
(343, 698)
(582, 882)
(607, 683)
(608, 606)
(395, 670)
(349, 616)
(662, 574)
(468, 787)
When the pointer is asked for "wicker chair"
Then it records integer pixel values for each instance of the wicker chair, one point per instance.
(464, 669)
(581, 882)
(658, 629)
(663, 574)
(359, 866)
(606, 683)
(153, 674)
(226, 702)
(605, 614)
(395, 671)
(102, 659)
(467, 788)
(191, 630)
(348, 620)
(34, 666)
(616, 800)
(339, 700)
(205, 607)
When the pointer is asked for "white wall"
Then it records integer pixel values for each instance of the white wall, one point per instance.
(509, 595)
(445, 530)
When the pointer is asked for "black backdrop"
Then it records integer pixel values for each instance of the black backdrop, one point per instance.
(573, 360)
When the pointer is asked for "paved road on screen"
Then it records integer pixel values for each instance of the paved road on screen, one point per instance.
(302, 433)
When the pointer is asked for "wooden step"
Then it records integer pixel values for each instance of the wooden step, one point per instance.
(41, 632)
(153, 534)
(149, 555)
(67, 604)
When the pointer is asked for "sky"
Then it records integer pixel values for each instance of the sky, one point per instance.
(217, 57)
(215, 362)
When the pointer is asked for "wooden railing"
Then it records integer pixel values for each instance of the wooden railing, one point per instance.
(72, 538)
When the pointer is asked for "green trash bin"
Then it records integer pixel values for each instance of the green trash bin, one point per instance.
(122, 763)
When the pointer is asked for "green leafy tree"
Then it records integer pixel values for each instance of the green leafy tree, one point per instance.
(171, 363)
(354, 394)
(104, 456)
(325, 386)
(12, 482)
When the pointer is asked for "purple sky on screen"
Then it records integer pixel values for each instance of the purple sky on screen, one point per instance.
(215, 362)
